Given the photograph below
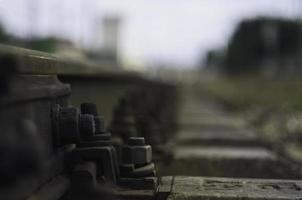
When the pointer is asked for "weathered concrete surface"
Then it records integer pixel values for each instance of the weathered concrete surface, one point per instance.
(222, 161)
(202, 188)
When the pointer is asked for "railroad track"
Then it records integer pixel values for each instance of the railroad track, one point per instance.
(77, 130)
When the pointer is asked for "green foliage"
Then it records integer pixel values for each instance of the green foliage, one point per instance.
(43, 44)
(245, 49)
(259, 41)
(243, 92)
(249, 47)
(4, 37)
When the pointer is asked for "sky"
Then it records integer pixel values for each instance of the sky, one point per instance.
(152, 31)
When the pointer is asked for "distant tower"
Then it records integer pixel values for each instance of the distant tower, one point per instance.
(111, 34)
(106, 41)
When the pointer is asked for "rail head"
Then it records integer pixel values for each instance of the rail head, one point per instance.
(35, 62)
(24, 61)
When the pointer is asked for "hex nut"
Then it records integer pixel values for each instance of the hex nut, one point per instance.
(87, 125)
(137, 154)
(99, 124)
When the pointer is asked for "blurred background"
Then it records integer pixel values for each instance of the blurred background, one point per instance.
(245, 54)
(217, 35)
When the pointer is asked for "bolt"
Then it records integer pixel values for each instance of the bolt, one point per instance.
(87, 125)
(70, 125)
(99, 124)
(91, 108)
(136, 152)
(137, 159)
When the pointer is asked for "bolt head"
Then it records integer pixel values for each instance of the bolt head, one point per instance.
(87, 125)
(99, 124)
(137, 154)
